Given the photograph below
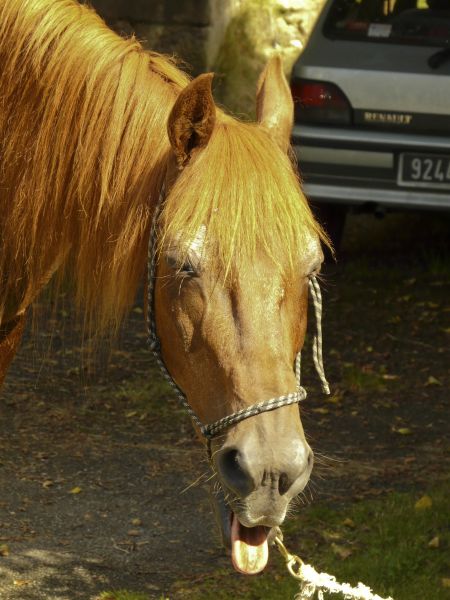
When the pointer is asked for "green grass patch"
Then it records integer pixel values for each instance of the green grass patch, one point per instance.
(438, 264)
(146, 392)
(125, 595)
(150, 396)
(122, 595)
(384, 543)
(357, 379)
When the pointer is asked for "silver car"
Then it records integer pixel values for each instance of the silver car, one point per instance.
(372, 97)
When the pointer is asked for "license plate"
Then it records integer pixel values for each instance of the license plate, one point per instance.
(424, 170)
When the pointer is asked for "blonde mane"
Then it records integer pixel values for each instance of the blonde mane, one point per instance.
(83, 153)
(83, 148)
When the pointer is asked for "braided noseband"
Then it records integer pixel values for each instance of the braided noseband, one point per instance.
(213, 429)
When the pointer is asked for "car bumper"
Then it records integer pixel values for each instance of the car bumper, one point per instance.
(352, 166)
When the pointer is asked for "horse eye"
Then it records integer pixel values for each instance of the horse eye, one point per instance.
(188, 269)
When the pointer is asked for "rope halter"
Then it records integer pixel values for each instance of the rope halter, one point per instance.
(211, 430)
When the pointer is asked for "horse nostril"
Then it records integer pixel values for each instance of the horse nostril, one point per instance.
(299, 469)
(229, 461)
(234, 471)
(284, 483)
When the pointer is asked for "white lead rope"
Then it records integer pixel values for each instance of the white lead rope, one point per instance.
(312, 582)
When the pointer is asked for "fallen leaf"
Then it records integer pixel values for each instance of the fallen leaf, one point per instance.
(402, 430)
(336, 398)
(349, 523)
(423, 503)
(136, 522)
(20, 582)
(47, 483)
(389, 377)
(133, 532)
(432, 381)
(130, 414)
(331, 535)
(75, 490)
(434, 543)
(4, 550)
(341, 551)
(395, 319)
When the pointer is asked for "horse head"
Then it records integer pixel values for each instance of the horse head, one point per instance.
(237, 246)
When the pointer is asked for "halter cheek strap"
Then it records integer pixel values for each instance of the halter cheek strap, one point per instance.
(211, 430)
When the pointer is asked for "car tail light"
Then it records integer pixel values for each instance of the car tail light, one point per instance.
(320, 102)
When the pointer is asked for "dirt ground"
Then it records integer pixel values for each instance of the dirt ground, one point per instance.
(94, 468)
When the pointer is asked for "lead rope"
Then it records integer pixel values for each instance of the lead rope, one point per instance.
(153, 340)
(211, 430)
(312, 582)
(316, 295)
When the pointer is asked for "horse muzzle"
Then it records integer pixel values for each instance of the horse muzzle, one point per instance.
(253, 498)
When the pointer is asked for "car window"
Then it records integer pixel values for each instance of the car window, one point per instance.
(422, 22)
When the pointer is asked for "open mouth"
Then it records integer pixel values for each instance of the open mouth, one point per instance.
(249, 546)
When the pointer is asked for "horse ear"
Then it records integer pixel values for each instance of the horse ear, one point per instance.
(192, 119)
(274, 104)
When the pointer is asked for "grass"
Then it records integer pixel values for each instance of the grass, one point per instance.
(151, 393)
(383, 543)
(125, 595)
(356, 379)
(148, 397)
(437, 263)
(122, 595)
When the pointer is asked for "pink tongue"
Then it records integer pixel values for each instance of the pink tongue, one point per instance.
(249, 548)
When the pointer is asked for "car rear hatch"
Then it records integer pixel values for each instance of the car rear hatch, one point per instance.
(371, 112)
(381, 63)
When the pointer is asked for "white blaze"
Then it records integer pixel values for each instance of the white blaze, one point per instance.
(196, 247)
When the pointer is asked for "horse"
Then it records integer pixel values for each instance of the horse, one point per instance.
(92, 129)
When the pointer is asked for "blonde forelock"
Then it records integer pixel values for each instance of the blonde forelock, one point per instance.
(244, 191)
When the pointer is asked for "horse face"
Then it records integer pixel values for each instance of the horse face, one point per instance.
(230, 345)
(230, 342)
